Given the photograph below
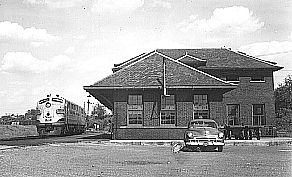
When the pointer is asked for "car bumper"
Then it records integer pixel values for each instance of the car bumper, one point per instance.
(204, 143)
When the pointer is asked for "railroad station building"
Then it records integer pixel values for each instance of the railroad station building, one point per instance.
(155, 95)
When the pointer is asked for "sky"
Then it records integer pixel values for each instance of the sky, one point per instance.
(59, 46)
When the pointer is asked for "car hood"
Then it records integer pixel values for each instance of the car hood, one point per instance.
(203, 131)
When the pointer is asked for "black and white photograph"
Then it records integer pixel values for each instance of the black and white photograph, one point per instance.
(140, 88)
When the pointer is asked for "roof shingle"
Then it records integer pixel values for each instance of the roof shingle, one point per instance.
(145, 72)
(222, 58)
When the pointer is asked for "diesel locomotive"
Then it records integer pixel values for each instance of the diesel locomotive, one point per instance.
(58, 116)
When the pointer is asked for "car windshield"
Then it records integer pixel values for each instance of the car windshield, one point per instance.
(203, 124)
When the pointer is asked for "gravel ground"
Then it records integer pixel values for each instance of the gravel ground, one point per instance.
(88, 159)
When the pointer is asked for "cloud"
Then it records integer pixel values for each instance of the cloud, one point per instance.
(160, 3)
(70, 50)
(36, 44)
(229, 20)
(114, 6)
(267, 48)
(9, 30)
(55, 4)
(24, 62)
(290, 36)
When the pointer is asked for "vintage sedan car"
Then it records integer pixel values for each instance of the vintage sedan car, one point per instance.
(202, 135)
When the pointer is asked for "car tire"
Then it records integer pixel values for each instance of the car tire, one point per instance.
(220, 148)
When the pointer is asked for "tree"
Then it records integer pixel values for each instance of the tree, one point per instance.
(283, 103)
(98, 111)
(99, 116)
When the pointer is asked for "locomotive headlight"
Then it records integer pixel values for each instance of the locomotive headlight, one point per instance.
(221, 135)
(48, 105)
(190, 135)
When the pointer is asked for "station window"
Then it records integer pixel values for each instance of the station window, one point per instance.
(167, 113)
(233, 117)
(135, 99)
(257, 79)
(201, 108)
(167, 102)
(258, 114)
(135, 110)
(232, 78)
(135, 117)
(167, 117)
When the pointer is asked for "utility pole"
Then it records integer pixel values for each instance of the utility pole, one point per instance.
(88, 102)
(87, 116)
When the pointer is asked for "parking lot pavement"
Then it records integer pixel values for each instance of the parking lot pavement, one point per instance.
(108, 159)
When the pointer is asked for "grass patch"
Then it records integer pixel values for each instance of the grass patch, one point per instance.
(12, 131)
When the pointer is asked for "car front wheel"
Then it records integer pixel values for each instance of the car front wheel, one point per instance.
(220, 148)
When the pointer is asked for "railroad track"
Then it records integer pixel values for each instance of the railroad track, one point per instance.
(37, 140)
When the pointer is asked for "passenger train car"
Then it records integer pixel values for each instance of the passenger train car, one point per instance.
(58, 116)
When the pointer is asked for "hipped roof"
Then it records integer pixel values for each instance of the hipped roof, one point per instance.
(145, 71)
(216, 58)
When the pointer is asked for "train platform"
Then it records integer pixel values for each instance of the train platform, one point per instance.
(102, 139)
(254, 142)
(4, 147)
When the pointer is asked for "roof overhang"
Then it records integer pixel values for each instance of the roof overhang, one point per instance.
(105, 94)
(233, 86)
(276, 68)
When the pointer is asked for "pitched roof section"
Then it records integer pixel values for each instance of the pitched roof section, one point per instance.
(222, 58)
(128, 62)
(192, 61)
(145, 72)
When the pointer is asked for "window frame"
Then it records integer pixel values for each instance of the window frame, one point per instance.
(170, 116)
(257, 79)
(164, 102)
(261, 118)
(232, 78)
(201, 111)
(136, 113)
(135, 107)
(167, 107)
(237, 113)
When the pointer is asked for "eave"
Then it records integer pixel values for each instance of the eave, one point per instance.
(276, 68)
(231, 86)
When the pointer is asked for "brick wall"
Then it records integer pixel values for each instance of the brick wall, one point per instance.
(151, 128)
(151, 133)
(151, 114)
(218, 112)
(120, 114)
(184, 113)
(248, 93)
